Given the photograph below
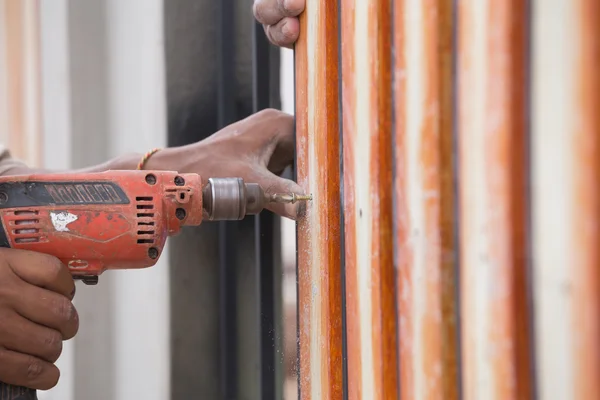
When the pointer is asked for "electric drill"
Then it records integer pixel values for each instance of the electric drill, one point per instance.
(116, 219)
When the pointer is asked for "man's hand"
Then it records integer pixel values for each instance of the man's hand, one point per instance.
(256, 149)
(36, 315)
(280, 19)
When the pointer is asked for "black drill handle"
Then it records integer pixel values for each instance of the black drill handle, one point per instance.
(11, 392)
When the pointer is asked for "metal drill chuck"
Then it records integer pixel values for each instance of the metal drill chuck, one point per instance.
(230, 199)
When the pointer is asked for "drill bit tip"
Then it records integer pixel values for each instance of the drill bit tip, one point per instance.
(289, 197)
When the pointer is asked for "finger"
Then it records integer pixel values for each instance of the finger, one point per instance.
(41, 270)
(28, 371)
(292, 211)
(282, 146)
(270, 12)
(284, 33)
(23, 336)
(47, 308)
(272, 184)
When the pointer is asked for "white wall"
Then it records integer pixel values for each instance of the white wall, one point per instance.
(103, 83)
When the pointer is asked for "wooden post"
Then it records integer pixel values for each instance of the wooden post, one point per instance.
(566, 197)
(424, 199)
(493, 199)
(367, 138)
(319, 231)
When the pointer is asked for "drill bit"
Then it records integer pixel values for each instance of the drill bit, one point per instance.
(289, 198)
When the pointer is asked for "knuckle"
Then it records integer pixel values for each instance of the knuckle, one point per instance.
(270, 113)
(53, 343)
(271, 187)
(291, 7)
(258, 8)
(63, 308)
(53, 268)
(35, 369)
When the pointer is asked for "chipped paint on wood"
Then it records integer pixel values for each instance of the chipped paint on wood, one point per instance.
(491, 138)
(319, 231)
(366, 96)
(566, 197)
(424, 200)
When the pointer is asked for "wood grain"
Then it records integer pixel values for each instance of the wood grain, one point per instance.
(319, 231)
(425, 218)
(492, 170)
(566, 197)
(367, 135)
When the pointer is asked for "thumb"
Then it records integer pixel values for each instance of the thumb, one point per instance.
(273, 184)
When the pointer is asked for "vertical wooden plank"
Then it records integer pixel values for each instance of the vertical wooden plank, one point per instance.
(367, 138)
(20, 79)
(319, 231)
(566, 197)
(491, 138)
(425, 214)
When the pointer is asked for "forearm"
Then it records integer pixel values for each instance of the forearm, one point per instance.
(164, 159)
(10, 166)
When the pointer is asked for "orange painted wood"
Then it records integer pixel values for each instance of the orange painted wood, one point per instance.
(367, 138)
(586, 227)
(319, 231)
(425, 216)
(492, 171)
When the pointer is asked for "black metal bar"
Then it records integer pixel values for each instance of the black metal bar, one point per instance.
(191, 38)
(528, 19)
(227, 270)
(456, 199)
(264, 227)
(342, 208)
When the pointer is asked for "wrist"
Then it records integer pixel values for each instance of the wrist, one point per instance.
(184, 159)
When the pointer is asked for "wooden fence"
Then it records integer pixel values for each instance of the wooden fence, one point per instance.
(452, 247)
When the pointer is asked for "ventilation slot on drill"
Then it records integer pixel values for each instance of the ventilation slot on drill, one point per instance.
(22, 217)
(142, 240)
(145, 228)
(145, 215)
(26, 226)
(27, 239)
(144, 205)
(143, 236)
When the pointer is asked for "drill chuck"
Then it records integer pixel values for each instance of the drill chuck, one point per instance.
(230, 199)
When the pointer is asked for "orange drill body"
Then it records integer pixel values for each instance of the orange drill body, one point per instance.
(98, 221)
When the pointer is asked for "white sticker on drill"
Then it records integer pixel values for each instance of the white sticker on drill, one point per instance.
(60, 220)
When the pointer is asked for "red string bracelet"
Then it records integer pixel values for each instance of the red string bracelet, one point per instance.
(145, 158)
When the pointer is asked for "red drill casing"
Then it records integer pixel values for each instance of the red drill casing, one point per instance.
(98, 221)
